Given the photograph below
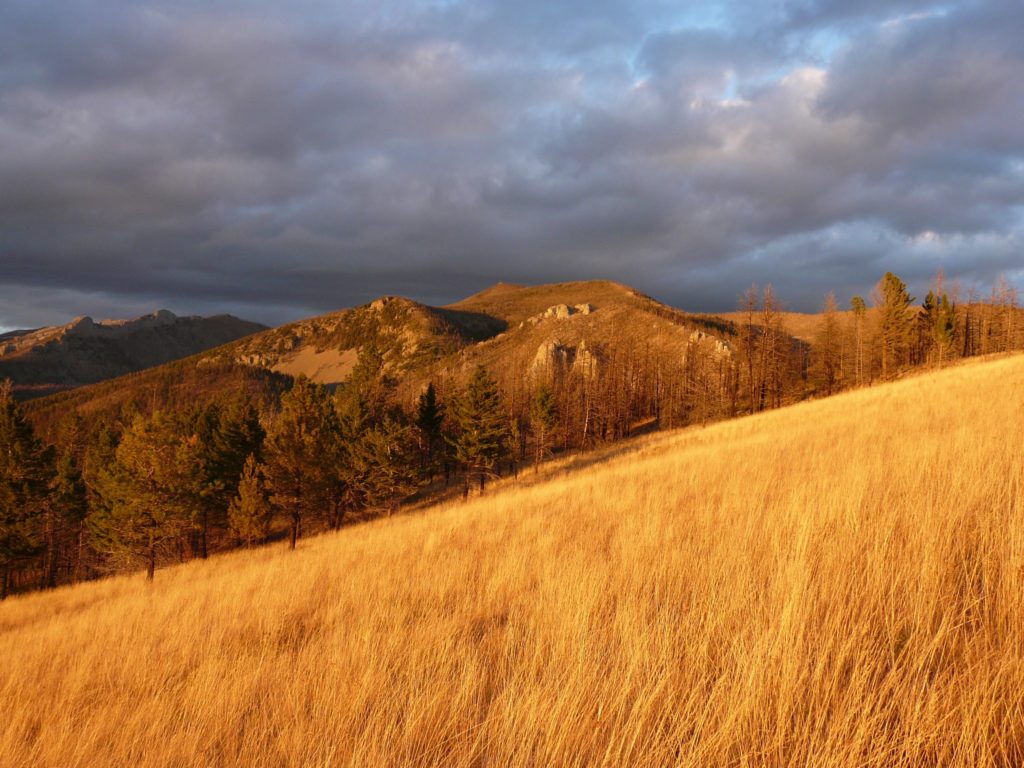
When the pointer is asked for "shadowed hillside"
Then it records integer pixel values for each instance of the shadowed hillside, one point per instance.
(836, 583)
(85, 351)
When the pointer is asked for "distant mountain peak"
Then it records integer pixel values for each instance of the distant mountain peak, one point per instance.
(84, 351)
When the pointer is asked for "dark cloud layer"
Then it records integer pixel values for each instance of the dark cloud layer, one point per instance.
(277, 160)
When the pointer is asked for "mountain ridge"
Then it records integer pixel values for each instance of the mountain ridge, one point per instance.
(85, 351)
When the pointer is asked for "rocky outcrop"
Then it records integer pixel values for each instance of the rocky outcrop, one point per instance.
(558, 312)
(716, 347)
(555, 358)
(586, 362)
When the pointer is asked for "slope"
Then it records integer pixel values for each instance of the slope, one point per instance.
(410, 335)
(580, 327)
(840, 582)
(84, 351)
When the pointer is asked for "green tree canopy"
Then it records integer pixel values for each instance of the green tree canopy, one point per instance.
(26, 468)
(482, 426)
(300, 453)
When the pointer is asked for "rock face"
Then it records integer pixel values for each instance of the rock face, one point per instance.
(85, 351)
(554, 358)
(586, 362)
(716, 347)
(558, 312)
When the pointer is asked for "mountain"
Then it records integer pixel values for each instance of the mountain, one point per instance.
(582, 327)
(619, 359)
(506, 327)
(85, 351)
(411, 336)
(834, 583)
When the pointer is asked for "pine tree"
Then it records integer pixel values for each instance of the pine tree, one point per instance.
(221, 436)
(543, 419)
(429, 423)
(300, 453)
(480, 441)
(25, 473)
(368, 393)
(382, 469)
(249, 513)
(146, 502)
(68, 507)
(896, 322)
(940, 320)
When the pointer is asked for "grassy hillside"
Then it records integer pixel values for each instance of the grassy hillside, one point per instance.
(836, 583)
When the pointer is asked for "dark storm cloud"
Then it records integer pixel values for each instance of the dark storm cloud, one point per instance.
(277, 160)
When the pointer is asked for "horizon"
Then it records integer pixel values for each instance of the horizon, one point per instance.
(843, 302)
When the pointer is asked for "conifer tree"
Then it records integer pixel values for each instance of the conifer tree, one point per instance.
(146, 501)
(367, 394)
(482, 428)
(940, 321)
(300, 453)
(220, 438)
(249, 513)
(25, 472)
(896, 322)
(382, 469)
(68, 507)
(543, 418)
(429, 422)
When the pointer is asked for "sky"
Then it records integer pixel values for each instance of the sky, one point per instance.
(278, 160)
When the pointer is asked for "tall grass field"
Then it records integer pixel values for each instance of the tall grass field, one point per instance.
(839, 583)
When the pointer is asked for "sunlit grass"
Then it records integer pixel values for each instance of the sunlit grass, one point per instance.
(837, 583)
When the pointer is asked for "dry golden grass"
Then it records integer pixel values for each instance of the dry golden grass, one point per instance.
(837, 583)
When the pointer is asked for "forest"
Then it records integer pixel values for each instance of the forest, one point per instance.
(173, 477)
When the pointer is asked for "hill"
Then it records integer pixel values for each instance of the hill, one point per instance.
(84, 351)
(502, 324)
(804, 326)
(595, 340)
(578, 324)
(834, 583)
(410, 335)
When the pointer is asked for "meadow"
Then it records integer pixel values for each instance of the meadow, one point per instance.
(837, 583)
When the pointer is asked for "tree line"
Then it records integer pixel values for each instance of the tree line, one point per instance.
(180, 484)
(181, 480)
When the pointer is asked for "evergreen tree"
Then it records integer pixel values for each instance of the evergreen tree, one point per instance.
(896, 322)
(25, 473)
(375, 464)
(382, 469)
(939, 316)
(221, 437)
(202, 481)
(543, 419)
(68, 507)
(300, 454)
(482, 428)
(249, 512)
(146, 500)
(367, 395)
(429, 423)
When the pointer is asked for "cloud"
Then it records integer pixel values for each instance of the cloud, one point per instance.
(281, 161)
